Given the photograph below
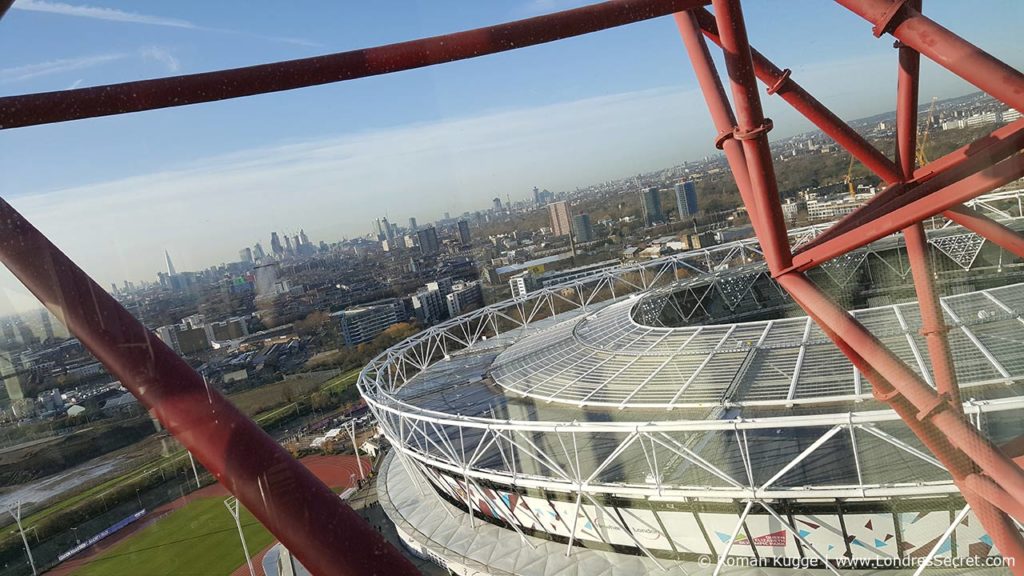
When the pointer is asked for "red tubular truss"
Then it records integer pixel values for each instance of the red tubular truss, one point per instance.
(305, 516)
(290, 501)
(31, 109)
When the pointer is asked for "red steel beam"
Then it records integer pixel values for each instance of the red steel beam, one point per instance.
(718, 105)
(981, 154)
(907, 84)
(1008, 239)
(752, 131)
(945, 48)
(975, 155)
(933, 324)
(43, 108)
(979, 491)
(780, 82)
(923, 202)
(281, 493)
(908, 384)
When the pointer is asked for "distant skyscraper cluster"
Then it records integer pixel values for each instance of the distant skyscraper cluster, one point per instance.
(294, 246)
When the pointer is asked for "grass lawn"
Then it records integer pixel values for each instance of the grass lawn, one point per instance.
(197, 539)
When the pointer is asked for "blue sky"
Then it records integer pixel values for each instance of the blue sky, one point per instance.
(205, 180)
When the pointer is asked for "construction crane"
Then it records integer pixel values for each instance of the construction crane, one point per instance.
(922, 158)
(849, 179)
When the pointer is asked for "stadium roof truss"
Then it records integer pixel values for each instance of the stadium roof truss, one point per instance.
(213, 429)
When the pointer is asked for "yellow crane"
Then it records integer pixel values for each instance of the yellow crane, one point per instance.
(922, 158)
(849, 179)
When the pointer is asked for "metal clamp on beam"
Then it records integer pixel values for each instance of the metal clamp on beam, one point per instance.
(937, 330)
(885, 23)
(754, 133)
(722, 137)
(786, 73)
(939, 404)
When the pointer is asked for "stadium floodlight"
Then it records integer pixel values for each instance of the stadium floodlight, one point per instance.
(232, 505)
(16, 513)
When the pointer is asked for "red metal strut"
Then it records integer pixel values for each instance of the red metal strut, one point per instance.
(309, 519)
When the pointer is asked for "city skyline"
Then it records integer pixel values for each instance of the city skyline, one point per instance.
(213, 180)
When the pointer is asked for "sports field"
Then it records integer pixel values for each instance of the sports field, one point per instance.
(199, 538)
(195, 536)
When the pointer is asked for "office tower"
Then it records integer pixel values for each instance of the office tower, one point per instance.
(497, 204)
(245, 255)
(582, 228)
(536, 196)
(558, 212)
(258, 253)
(378, 229)
(287, 244)
(385, 228)
(275, 245)
(447, 216)
(412, 224)
(303, 237)
(464, 232)
(170, 265)
(686, 199)
(44, 319)
(297, 244)
(428, 240)
(651, 199)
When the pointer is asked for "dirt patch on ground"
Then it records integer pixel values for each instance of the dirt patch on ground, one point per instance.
(339, 471)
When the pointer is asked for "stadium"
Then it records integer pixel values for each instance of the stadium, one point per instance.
(684, 411)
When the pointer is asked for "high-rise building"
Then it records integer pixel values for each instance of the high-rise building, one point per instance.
(428, 240)
(686, 199)
(47, 323)
(287, 244)
(363, 323)
(582, 228)
(258, 253)
(412, 224)
(536, 196)
(170, 265)
(275, 245)
(651, 199)
(245, 255)
(558, 212)
(464, 233)
(429, 306)
(303, 237)
(497, 204)
(385, 227)
(464, 297)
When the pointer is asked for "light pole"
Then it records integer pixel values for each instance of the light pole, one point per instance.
(194, 471)
(75, 530)
(232, 506)
(352, 435)
(139, 496)
(16, 513)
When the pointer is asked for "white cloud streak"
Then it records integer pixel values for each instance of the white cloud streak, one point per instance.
(161, 55)
(115, 15)
(100, 13)
(48, 68)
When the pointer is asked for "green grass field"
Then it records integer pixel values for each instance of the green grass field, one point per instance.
(197, 539)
